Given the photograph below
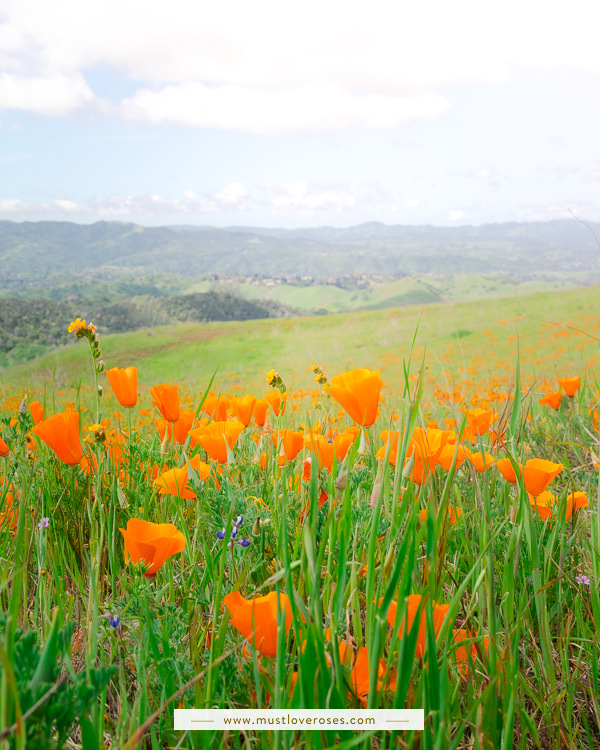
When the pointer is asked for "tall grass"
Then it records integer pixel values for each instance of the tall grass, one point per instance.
(94, 654)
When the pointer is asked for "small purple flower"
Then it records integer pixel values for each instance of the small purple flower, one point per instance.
(44, 523)
(245, 542)
(582, 580)
(114, 621)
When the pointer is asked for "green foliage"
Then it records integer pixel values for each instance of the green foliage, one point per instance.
(50, 697)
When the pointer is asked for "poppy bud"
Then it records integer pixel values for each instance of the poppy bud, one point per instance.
(256, 527)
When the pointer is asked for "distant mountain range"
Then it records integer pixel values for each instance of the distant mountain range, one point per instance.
(35, 254)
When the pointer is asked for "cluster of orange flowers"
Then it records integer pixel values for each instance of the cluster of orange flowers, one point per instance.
(477, 443)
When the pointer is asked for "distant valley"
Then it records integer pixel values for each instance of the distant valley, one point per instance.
(126, 277)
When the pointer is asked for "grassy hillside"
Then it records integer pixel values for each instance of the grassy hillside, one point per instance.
(459, 338)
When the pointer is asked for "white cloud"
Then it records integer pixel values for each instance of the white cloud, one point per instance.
(242, 65)
(50, 95)
(479, 174)
(303, 197)
(559, 171)
(423, 183)
(413, 203)
(456, 215)
(305, 109)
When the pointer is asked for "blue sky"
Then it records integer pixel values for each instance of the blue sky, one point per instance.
(299, 114)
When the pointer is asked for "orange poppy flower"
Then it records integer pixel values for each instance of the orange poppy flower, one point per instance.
(357, 392)
(575, 501)
(322, 449)
(256, 619)
(242, 407)
(216, 437)
(260, 411)
(570, 385)
(343, 442)
(174, 482)
(151, 542)
(8, 517)
(277, 401)
(166, 400)
(448, 452)
(480, 420)
(463, 660)
(179, 430)
(552, 400)
(60, 432)
(480, 461)
(543, 504)
(4, 449)
(37, 412)
(216, 407)
(414, 606)
(123, 381)
(505, 467)
(290, 442)
(454, 513)
(538, 473)
(359, 677)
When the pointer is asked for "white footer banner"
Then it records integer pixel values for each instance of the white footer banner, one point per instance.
(318, 719)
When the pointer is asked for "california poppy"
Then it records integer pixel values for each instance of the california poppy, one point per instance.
(546, 502)
(37, 411)
(357, 392)
(4, 449)
(481, 461)
(60, 432)
(480, 420)
(216, 407)
(414, 606)
(123, 381)
(570, 385)
(575, 501)
(260, 411)
(322, 449)
(8, 517)
(463, 657)
(505, 467)
(242, 407)
(454, 513)
(538, 473)
(256, 619)
(290, 443)
(174, 482)
(448, 453)
(359, 676)
(543, 504)
(217, 437)
(179, 430)
(343, 441)
(151, 542)
(166, 400)
(552, 400)
(277, 401)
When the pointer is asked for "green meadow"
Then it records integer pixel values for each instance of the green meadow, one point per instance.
(141, 557)
(451, 335)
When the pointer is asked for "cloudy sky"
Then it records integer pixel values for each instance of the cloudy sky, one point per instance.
(277, 113)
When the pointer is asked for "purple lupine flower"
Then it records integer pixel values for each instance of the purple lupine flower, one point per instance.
(44, 523)
(582, 580)
(245, 542)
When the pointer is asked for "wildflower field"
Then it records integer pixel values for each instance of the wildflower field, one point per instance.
(390, 509)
